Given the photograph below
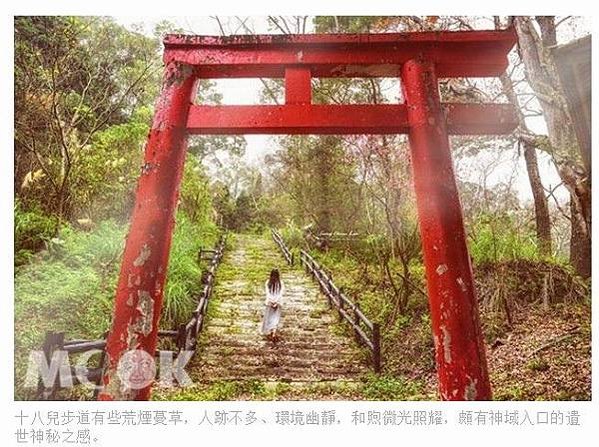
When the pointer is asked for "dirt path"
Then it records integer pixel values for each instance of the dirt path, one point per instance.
(314, 359)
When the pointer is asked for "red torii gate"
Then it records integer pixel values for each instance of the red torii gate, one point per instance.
(419, 59)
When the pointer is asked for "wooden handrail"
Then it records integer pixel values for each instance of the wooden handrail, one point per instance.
(348, 310)
(287, 254)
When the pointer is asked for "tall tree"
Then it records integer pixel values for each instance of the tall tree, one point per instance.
(74, 76)
(562, 144)
(541, 205)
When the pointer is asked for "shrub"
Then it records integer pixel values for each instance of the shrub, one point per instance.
(184, 272)
(67, 289)
(32, 229)
(498, 238)
(100, 248)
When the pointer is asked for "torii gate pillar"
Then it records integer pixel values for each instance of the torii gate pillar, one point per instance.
(460, 352)
(138, 300)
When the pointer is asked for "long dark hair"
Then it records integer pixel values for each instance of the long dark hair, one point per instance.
(274, 282)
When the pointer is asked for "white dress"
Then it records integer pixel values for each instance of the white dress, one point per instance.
(272, 315)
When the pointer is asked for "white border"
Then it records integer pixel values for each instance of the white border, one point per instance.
(345, 434)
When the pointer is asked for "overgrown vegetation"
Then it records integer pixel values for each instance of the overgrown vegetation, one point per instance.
(33, 229)
(70, 286)
(84, 89)
(371, 387)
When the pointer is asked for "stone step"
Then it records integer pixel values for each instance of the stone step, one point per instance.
(246, 325)
(274, 373)
(281, 353)
(213, 334)
(237, 342)
(247, 293)
(250, 326)
(251, 362)
(287, 361)
(313, 314)
(307, 312)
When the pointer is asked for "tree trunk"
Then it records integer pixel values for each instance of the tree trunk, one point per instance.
(580, 245)
(542, 76)
(324, 169)
(542, 217)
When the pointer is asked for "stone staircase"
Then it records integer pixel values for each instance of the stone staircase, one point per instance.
(312, 348)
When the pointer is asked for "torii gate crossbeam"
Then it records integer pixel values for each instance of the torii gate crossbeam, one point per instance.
(418, 59)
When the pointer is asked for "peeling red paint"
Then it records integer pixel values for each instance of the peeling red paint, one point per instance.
(138, 300)
(460, 355)
(461, 54)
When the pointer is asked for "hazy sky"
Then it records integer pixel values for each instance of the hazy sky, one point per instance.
(247, 91)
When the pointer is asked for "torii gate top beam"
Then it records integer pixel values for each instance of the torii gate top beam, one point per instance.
(455, 54)
(299, 58)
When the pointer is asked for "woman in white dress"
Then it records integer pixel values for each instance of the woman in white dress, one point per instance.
(272, 313)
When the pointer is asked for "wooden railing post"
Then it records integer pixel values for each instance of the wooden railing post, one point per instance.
(52, 342)
(181, 337)
(376, 343)
(282, 247)
(341, 302)
(356, 322)
(330, 291)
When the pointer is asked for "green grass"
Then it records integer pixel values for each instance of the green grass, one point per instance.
(184, 272)
(218, 391)
(538, 365)
(372, 387)
(67, 289)
(513, 392)
(391, 388)
(495, 239)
